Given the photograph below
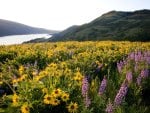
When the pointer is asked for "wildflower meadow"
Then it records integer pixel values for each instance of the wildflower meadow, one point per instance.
(75, 77)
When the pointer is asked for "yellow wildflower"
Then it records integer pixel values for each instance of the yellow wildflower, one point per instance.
(78, 77)
(15, 99)
(45, 90)
(63, 65)
(53, 65)
(21, 70)
(65, 97)
(57, 92)
(48, 99)
(72, 107)
(35, 72)
(25, 108)
(22, 77)
(55, 102)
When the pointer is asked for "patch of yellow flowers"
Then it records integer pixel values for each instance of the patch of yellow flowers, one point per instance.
(55, 96)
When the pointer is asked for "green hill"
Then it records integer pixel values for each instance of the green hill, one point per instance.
(114, 25)
(14, 28)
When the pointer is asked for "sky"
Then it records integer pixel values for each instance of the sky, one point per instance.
(61, 14)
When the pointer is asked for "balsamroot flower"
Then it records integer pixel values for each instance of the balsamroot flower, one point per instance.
(25, 108)
(121, 94)
(85, 86)
(72, 107)
(129, 76)
(65, 97)
(102, 86)
(15, 99)
(48, 99)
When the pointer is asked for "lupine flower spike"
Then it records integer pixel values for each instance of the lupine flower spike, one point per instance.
(109, 107)
(102, 86)
(121, 94)
(129, 76)
(85, 87)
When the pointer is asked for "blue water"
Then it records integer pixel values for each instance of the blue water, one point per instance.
(18, 39)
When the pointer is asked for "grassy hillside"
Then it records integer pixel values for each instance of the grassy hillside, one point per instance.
(114, 25)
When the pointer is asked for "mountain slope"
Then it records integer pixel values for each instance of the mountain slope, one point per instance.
(14, 28)
(114, 25)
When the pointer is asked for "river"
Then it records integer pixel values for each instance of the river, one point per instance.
(18, 39)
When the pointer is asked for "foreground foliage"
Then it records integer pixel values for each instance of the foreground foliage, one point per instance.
(75, 77)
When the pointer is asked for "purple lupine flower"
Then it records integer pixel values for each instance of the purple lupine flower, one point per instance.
(120, 66)
(139, 53)
(87, 101)
(85, 86)
(144, 73)
(147, 58)
(131, 56)
(138, 56)
(109, 108)
(102, 86)
(129, 76)
(138, 80)
(121, 94)
(136, 67)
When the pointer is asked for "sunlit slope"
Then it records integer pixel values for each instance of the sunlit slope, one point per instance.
(114, 25)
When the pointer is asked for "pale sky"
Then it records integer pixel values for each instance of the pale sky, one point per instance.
(61, 14)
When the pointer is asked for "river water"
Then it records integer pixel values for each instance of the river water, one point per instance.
(18, 39)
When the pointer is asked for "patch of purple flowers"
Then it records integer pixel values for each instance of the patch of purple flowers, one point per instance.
(121, 94)
(85, 88)
(120, 66)
(144, 73)
(138, 80)
(129, 76)
(102, 86)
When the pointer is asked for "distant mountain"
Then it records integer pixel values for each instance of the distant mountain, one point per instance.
(114, 25)
(14, 28)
